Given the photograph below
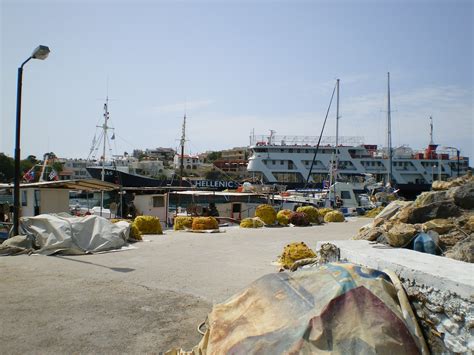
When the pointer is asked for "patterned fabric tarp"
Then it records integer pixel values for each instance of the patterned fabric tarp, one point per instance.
(336, 308)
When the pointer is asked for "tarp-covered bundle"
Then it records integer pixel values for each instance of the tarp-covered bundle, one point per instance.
(64, 234)
(337, 308)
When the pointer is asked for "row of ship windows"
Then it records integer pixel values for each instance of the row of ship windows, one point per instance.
(292, 150)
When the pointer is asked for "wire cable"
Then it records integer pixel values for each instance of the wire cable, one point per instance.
(320, 136)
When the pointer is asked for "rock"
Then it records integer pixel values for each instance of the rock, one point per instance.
(469, 225)
(378, 222)
(425, 198)
(449, 240)
(464, 196)
(392, 209)
(404, 214)
(440, 209)
(439, 225)
(369, 234)
(444, 185)
(400, 234)
(463, 250)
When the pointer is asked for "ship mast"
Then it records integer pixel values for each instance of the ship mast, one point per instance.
(431, 131)
(389, 131)
(183, 140)
(336, 157)
(104, 128)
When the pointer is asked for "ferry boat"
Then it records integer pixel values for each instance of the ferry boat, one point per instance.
(297, 161)
(287, 160)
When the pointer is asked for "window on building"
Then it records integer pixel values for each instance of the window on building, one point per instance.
(158, 201)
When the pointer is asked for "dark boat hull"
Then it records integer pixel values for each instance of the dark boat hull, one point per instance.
(131, 180)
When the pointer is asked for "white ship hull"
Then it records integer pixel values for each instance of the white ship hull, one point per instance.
(287, 160)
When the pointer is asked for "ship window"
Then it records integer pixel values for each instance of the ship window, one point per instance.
(273, 162)
(158, 201)
(345, 195)
(282, 162)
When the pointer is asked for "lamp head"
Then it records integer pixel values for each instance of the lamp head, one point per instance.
(41, 52)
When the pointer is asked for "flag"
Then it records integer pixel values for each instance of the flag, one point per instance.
(29, 175)
(113, 136)
(53, 175)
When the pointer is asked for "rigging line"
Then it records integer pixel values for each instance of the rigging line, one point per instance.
(95, 147)
(126, 141)
(320, 136)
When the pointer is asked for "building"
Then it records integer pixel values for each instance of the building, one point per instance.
(233, 161)
(191, 162)
(73, 169)
(237, 153)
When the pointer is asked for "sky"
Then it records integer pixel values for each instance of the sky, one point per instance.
(235, 67)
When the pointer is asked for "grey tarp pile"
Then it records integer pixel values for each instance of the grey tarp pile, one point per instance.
(49, 234)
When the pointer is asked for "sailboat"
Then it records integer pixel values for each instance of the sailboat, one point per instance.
(118, 169)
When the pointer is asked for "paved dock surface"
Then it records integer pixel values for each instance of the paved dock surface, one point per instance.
(143, 300)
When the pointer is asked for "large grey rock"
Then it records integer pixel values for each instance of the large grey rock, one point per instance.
(464, 195)
(425, 198)
(440, 209)
(463, 250)
(400, 234)
(370, 234)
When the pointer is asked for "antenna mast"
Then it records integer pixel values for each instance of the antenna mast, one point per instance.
(431, 131)
(389, 130)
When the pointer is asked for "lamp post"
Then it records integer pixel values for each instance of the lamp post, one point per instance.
(41, 52)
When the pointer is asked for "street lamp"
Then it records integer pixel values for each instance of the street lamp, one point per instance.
(41, 52)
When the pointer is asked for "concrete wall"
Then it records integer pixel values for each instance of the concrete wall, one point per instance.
(441, 290)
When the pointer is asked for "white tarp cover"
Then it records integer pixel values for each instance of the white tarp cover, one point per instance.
(65, 234)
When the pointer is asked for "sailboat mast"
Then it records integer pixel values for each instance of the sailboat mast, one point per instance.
(389, 130)
(183, 140)
(336, 157)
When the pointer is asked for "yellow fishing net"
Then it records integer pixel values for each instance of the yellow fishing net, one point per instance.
(293, 252)
(283, 217)
(311, 212)
(334, 216)
(182, 223)
(251, 223)
(148, 225)
(205, 223)
(266, 213)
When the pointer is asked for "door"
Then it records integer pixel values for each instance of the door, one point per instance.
(236, 211)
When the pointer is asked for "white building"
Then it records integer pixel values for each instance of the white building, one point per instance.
(191, 162)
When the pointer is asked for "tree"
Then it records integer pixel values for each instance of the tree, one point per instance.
(7, 168)
(57, 166)
(213, 156)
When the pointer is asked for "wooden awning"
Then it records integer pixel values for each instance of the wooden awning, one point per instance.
(80, 184)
